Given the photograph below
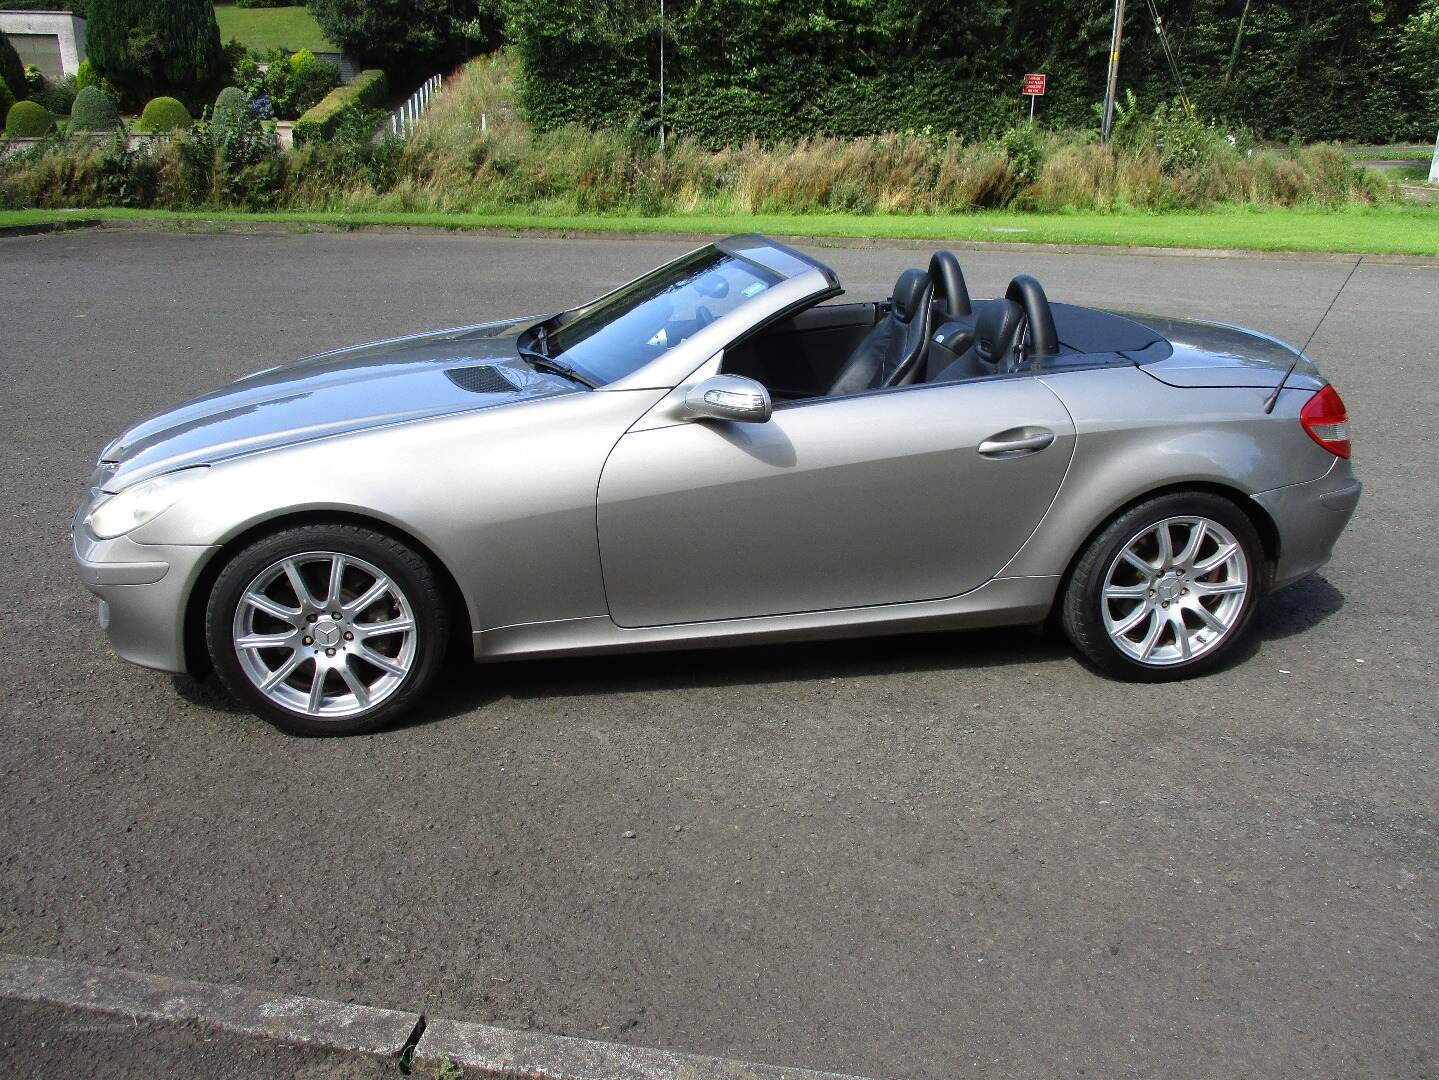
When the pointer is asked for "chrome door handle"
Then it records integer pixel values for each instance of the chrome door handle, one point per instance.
(1016, 442)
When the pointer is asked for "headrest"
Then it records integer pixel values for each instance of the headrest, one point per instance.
(948, 281)
(911, 294)
(994, 330)
(1027, 291)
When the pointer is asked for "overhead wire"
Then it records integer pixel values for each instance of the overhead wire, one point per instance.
(1168, 53)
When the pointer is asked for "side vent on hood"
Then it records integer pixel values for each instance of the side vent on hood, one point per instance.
(481, 379)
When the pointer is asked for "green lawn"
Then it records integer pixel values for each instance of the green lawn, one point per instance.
(1393, 152)
(262, 29)
(1399, 230)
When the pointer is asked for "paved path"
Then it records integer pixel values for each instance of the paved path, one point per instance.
(960, 855)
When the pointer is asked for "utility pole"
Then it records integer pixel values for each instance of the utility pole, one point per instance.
(662, 76)
(1107, 126)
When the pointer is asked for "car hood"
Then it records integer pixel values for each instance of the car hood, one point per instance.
(366, 386)
(1210, 354)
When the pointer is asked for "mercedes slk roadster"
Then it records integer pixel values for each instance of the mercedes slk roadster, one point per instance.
(714, 453)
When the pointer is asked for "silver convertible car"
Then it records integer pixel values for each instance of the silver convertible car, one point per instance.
(716, 453)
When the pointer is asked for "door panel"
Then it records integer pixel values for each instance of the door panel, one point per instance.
(841, 502)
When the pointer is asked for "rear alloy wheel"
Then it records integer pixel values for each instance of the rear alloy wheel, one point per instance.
(1166, 590)
(326, 629)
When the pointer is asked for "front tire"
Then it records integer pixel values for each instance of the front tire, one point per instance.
(1167, 590)
(327, 629)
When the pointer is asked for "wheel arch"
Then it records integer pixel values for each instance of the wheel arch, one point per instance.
(1263, 524)
(197, 658)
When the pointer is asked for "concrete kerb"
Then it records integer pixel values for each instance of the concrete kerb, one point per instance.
(404, 1035)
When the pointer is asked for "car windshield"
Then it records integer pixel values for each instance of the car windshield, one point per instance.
(622, 332)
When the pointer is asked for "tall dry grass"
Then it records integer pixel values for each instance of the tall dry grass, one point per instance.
(451, 164)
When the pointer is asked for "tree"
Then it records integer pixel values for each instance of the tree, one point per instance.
(142, 46)
(1419, 43)
(11, 69)
(409, 33)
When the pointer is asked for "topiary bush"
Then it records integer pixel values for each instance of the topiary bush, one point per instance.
(27, 120)
(93, 111)
(164, 114)
(301, 60)
(232, 112)
(6, 98)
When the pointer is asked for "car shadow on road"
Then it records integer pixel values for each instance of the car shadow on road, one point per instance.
(1297, 609)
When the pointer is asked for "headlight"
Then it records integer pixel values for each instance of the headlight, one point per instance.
(144, 502)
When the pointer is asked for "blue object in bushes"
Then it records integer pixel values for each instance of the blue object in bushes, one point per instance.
(263, 108)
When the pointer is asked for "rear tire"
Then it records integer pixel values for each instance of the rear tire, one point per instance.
(1167, 590)
(327, 629)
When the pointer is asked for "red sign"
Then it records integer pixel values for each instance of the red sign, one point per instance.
(1034, 85)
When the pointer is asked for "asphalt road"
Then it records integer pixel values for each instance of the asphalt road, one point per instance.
(951, 855)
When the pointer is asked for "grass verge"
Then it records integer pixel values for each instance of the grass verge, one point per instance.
(1390, 230)
(263, 29)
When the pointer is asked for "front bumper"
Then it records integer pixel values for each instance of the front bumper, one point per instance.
(1309, 518)
(143, 591)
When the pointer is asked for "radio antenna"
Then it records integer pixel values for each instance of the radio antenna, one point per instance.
(1270, 401)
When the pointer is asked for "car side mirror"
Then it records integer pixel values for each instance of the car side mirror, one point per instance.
(728, 397)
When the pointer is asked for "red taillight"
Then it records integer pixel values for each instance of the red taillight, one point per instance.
(1327, 421)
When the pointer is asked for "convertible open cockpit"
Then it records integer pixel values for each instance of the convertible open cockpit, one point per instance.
(930, 331)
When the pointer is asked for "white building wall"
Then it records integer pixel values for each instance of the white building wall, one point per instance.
(68, 29)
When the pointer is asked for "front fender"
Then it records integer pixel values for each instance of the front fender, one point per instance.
(505, 498)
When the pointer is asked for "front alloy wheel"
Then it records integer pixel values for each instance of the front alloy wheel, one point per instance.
(1167, 589)
(326, 629)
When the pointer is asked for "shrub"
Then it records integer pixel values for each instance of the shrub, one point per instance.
(58, 98)
(1183, 141)
(366, 92)
(86, 75)
(232, 111)
(27, 120)
(311, 83)
(301, 60)
(6, 98)
(93, 111)
(1025, 151)
(34, 80)
(164, 114)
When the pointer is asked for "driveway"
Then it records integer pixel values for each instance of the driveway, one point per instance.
(933, 856)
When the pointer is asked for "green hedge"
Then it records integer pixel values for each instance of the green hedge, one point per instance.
(368, 91)
(1356, 70)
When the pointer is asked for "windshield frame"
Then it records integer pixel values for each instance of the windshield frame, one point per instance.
(776, 264)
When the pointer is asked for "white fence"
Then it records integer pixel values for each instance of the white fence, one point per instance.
(403, 119)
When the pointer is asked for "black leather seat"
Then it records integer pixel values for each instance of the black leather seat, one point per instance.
(891, 352)
(954, 316)
(996, 333)
(1009, 333)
